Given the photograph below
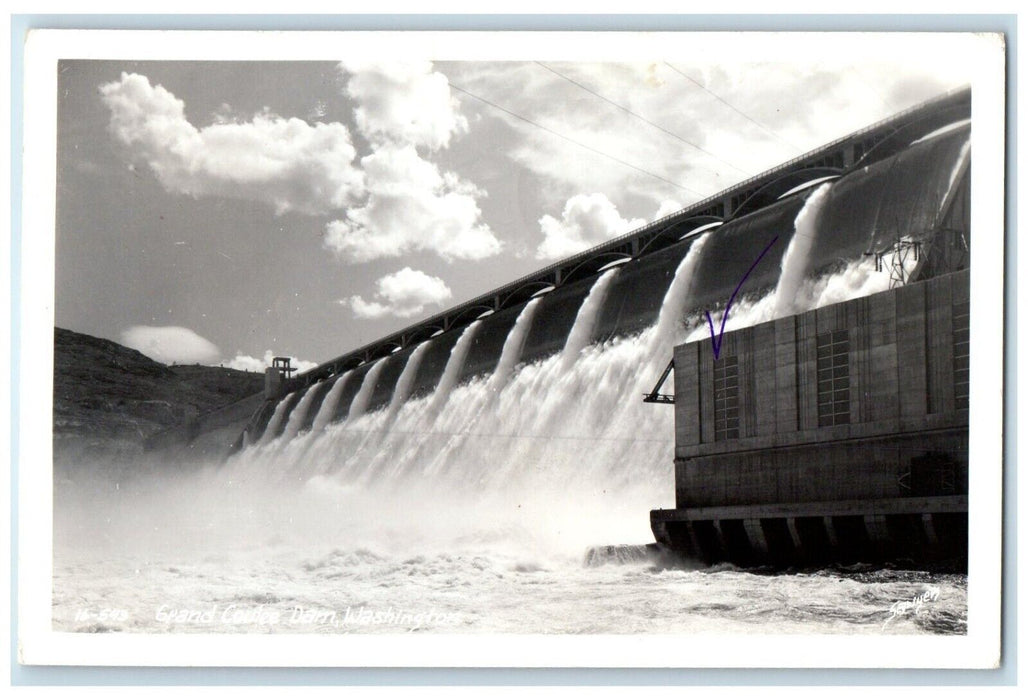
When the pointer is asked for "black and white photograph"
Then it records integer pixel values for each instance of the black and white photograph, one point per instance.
(490, 349)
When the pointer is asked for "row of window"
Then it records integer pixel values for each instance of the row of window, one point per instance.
(726, 398)
(833, 378)
(961, 352)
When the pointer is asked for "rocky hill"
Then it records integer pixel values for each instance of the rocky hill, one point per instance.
(109, 398)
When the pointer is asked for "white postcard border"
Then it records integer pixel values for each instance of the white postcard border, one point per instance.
(38, 644)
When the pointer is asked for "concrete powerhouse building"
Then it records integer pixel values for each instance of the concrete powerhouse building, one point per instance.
(836, 434)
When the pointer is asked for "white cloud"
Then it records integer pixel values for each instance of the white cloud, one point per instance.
(404, 102)
(395, 200)
(666, 208)
(803, 100)
(403, 294)
(587, 220)
(170, 344)
(249, 363)
(412, 206)
(604, 149)
(287, 163)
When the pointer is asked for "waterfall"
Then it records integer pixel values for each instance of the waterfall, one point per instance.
(406, 379)
(454, 365)
(572, 423)
(563, 444)
(299, 413)
(561, 426)
(360, 402)
(555, 412)
(672, 308)
(585, 321)
(511, 353)
(794, 293)
(276, 420)
(328, 407)
(797, 255)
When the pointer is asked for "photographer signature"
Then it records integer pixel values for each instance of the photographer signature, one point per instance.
(914, 606)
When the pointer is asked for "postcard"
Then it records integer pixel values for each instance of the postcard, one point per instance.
(521, 349)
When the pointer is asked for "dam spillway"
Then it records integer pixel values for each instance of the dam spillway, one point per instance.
(539, 380)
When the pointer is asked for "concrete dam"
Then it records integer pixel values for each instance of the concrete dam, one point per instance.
(539, 383)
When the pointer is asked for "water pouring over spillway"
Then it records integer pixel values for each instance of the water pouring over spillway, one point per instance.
(544, 398)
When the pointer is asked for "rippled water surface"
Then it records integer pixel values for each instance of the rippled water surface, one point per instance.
(197, 554)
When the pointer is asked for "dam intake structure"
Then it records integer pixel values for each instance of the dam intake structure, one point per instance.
(537, 385)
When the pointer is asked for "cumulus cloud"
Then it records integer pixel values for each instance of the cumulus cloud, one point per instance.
(403, 294)
(587, 220)
(666, 208)
(412, 206)
(395, 200)
(404, 102)
(170, 344)
(248, 363)
(287, 163)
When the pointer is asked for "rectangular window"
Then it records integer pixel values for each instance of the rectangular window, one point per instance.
(961, 353)
(833, 378)
(726, 398)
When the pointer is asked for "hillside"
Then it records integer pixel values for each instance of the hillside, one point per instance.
(109, 398)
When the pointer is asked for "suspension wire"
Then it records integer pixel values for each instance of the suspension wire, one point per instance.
(734, 108)
(574, 141)
(642, 118)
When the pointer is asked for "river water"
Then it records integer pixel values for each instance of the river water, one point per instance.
(194, 553)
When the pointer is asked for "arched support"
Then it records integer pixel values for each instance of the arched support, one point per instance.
(465, 313)
(592, 265)
(522, 293)
(674, 230)
(898, 138)
(771, 191)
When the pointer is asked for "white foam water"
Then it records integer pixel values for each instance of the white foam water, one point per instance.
(299, 413)
(363, 396)
(328, 407)
(585, 320)
(276, 420)
(454, 365)
(403, 385)
(510, 355)
(796, 258)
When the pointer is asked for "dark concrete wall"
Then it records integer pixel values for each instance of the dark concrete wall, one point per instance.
(896, 466)
(210, 436)
(904, 417)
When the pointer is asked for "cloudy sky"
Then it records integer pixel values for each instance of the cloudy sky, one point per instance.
(219, 212)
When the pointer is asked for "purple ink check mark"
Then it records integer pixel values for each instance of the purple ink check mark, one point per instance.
(715, 339)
